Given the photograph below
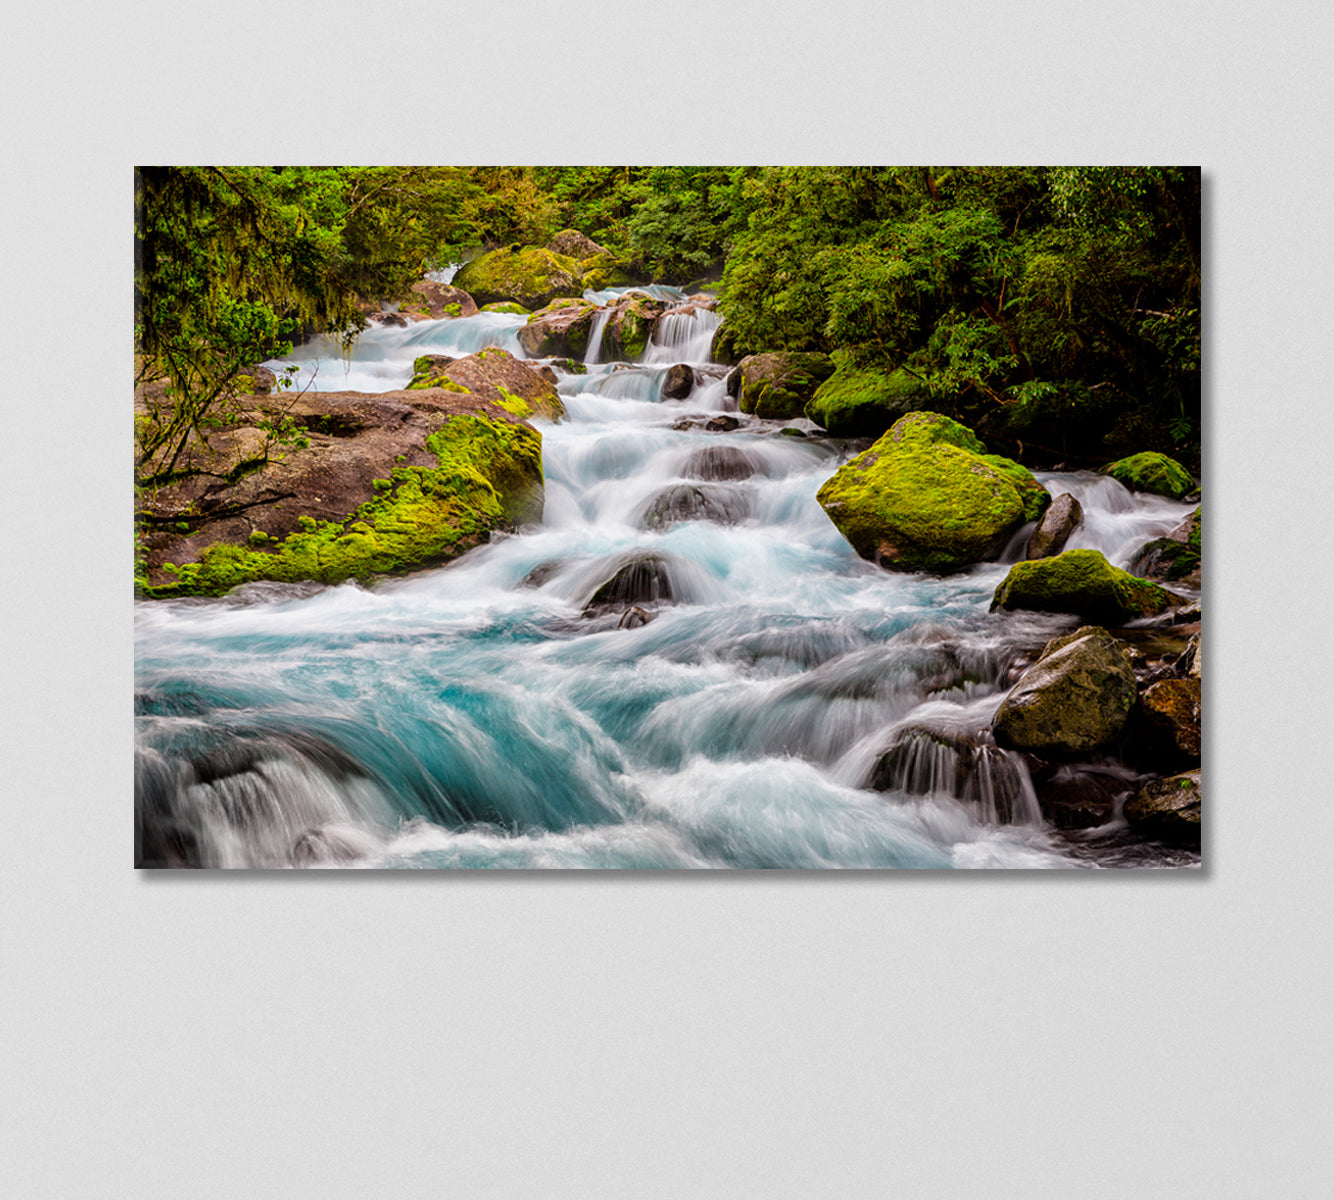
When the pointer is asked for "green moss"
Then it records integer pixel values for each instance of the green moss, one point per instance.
(489, 474)
(1152, 472)
(453, 310)
(529, 276)
(258, 537)
(443, 382)
(1081, 582)
(778, 386)
(1193, 538)
(505, 306)
(864, 403)
(930, 428)
(1035, 498)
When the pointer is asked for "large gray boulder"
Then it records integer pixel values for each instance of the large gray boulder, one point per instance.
(1059, 521)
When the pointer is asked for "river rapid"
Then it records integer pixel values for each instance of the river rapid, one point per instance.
(473, 716)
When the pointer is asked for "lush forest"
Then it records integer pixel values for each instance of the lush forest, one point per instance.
(1055, 309)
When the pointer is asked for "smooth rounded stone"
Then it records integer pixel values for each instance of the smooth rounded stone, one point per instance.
(1172, 708)
(1060, 520)
(636, 579)
(1168, 810)
(678, 383)
(696, 502)
(1082, 582)
(925, 497)
(541, 574)
(722, 424)
(388, 320)
(1076, 698)
(437, 300)
(1152, 472)
(530, 276)
(561, 330)
(712, 463)
(864, 402)
(573, 244)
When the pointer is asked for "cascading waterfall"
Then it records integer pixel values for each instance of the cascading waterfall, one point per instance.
(778, 702)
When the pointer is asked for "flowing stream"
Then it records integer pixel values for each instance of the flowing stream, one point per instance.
(786, 705)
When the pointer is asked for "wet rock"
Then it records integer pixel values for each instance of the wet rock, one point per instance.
(1073, 700)
(561, 329)
(722, 424)
(678, 383)
(777, 386)
(1172, 709)
(431, 298)
(1061, 520)
(1168, 810)
(390, 319)
(924, 497)
(541, 574)
(629, 328)
(634, 617)
(696, 502)
(864, 403)
(1080, 797)
(1082, 582)
(636, 579)
(719, 463)
(1152, 472)
(493, 375)
(1189, 662)
(530, 276)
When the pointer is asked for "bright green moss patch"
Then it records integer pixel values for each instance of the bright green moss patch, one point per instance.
(489, 474)
(1035, 498)
(1081, 582)
(1152, 472)
(505, 306)
(864, 403)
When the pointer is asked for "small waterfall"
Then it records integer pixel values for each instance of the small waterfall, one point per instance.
(594, 354)
(682, 337)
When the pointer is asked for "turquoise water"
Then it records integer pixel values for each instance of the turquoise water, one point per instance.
(472, 717)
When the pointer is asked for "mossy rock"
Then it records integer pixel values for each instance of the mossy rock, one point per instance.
(864, 403)
(505, 306)
(1075, 699)
(1152, 472)
(1081, 582)
(924, 498)
(778, 386)
(530, 276)
(488, 476)
(561, 329)
(1036, 499)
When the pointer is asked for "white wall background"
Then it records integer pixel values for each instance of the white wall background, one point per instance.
(767, 1036)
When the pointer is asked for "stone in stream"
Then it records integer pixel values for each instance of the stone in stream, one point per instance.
(713, 463)
(634, 617)
(1060, 520)
(1172, 710)
(561, 329)
(386, 484)
(777, 386)
(436, 300)
(1075, 699)
(1152, 472)
(1079, 796)
(864, 402)
(531, 276)
(1082, 582)
(1168, 810)
(696, 502)
(926, 497)
(636, 579)
(678, 383)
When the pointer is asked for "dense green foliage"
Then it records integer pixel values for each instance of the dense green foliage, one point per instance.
(1055, 309)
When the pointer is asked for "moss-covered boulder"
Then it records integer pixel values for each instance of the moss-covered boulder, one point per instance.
(1174, 558)
(1168, 809)
(506, 306)
(1082, 582)
(573, 244)
(865, 403)
(1152, 472)
(530, 276)
(1064, 516)
(495, 376)
(923, 497)
(1075, 699)
(436, 300)
(383, 484)
(560, 330)
(778, 386)
(1034, 497)
(629, 327)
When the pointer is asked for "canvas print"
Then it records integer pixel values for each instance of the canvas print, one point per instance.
(667, 517)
